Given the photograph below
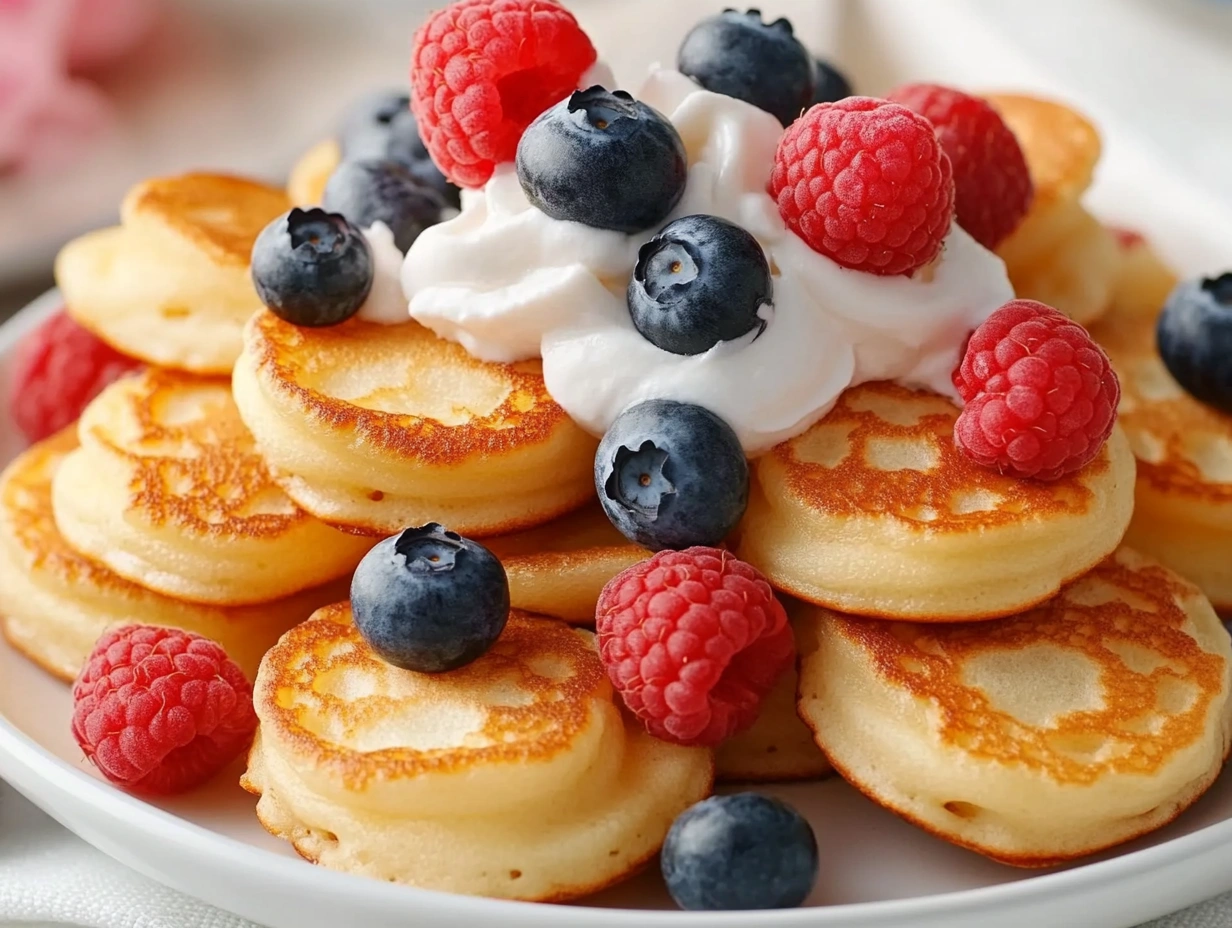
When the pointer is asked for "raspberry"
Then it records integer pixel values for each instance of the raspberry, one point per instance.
(159, 710)
(865, 182)
(1041, 396)
(482, 70)
(59, 368)
(992, 186)
(693, 640)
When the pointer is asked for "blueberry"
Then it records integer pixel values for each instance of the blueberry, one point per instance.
(383, 191)
(672, 475)
(745, 851)
(1194, 333)
(312, 268)
(381, 126)
(430, 600)
(603, 159)
(830, 85)
(701, 281)
(738, 55)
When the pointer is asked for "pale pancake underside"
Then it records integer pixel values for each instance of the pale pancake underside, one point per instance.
(1060, 254)
(373, 428)
(875, 511)
(1183, 506)
(169, 492)
(515, 777)
(170, 285)
(1085, 722)
(54, 603)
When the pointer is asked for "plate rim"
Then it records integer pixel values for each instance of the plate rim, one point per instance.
(20, 752)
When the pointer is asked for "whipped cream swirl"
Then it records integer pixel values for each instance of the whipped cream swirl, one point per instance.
(510, 283)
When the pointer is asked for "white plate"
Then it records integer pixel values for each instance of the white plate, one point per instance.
(877, 872)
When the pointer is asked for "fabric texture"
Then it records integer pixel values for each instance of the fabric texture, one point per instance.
(49, 877)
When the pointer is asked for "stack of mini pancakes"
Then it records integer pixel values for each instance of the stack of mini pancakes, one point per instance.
(978, 653)
(156, 507)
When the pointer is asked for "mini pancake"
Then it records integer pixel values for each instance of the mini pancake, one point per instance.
(1088, 721)
(170, 285)
(1183, 498)
(1144, 282)
(306, 184)
(54, 603)
(874, 511)
(169, 492)
(373, 428)
(515, 777)
(559, 569)
(778, 748)
(1060, 254)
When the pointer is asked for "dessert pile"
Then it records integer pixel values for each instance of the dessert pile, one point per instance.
(725, 364)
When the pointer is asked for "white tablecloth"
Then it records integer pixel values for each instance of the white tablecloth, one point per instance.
(50, 877)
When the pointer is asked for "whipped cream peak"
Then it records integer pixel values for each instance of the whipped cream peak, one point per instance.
(386, 303)
(510, 283)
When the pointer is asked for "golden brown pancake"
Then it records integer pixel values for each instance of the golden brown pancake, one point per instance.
(1095, 718)
(55, 603)
(515, 777)
(559, 569)
(373, 428)
(306, 185)
(1144, 282)
(1183, 501)
(874, 511)
(170, 285)
(169, 492)
(1060, 254)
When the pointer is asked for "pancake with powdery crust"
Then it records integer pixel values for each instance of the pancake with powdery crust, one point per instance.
(170, 285)
(1088, 721)
(515, 777)
(167, 490)
(1060, 254)
(875, 511)
(558, 569)
(54, 603)
(1183, 499)
(375, 427)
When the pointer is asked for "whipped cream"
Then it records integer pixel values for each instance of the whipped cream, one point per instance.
(386, 303)
(510, 283)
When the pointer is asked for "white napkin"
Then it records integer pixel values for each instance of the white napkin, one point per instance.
(49, 877)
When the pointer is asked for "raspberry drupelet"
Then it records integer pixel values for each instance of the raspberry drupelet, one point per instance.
(693, 640)
(992, 185)
(1041, 395)
(482, 70)
(59, 368)
(865, 183)
(160, 710)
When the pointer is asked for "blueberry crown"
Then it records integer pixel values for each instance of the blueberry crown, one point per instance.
(1219, 287)
(602, 106)
(782, 23)
(430, 548)
(323, 232)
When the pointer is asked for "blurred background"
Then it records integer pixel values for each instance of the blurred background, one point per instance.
(97, 94)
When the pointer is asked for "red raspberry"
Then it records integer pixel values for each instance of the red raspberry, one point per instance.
(159, 710)
(59, 368)
(482, 70)
(693, 640)
(992, 186)
(1041, 396)
(866, 183)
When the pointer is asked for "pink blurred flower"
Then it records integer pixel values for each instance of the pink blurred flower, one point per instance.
(46, 114)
